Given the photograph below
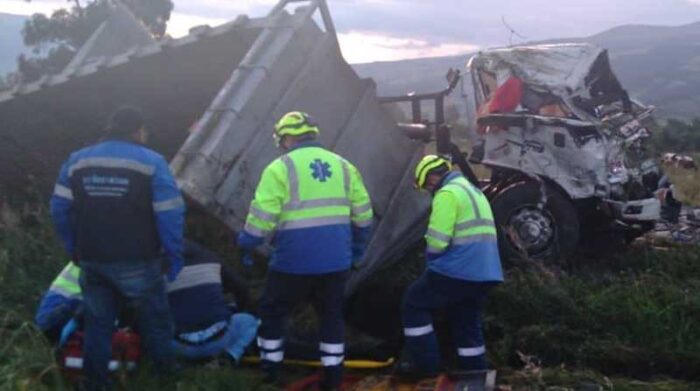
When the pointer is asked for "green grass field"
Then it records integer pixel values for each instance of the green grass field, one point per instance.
(627, 323)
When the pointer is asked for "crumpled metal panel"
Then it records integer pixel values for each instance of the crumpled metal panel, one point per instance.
(294, 65)
(579, 166)
(119, 33)
(560, 68)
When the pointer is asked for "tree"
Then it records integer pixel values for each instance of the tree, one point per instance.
(55, 40)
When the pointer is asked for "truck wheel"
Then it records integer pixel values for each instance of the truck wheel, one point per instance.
(525, 231)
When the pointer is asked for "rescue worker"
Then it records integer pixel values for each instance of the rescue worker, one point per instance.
(115, 205)
(205, 324)
(61, 303)
(318, 208)
(462, 264)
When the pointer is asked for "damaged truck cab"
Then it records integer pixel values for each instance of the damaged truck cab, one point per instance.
(566, 149)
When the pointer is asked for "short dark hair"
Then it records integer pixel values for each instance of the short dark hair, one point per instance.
(125, 121)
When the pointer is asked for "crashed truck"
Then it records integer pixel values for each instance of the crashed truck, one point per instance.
(566, 149)
(566, 153)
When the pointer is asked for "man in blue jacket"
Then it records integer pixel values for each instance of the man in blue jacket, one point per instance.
(116, 206)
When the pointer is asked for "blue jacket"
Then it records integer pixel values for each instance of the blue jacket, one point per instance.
(117, 200)
(197, 296)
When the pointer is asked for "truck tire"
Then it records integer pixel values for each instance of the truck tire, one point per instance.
(527, 232)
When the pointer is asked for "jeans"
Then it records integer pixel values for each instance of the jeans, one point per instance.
(106, 287)
(463, 301)
(240, 332)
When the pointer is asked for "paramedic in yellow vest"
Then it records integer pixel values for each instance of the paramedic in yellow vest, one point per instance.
(318, 208)
(462, 264)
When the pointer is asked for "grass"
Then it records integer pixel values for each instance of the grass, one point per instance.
(687, 183)
(636, 316)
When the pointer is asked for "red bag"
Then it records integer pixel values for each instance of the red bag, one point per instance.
(126, 352)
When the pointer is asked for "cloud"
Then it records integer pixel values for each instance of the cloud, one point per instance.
(180, 24)
(22, 7)
(433, 26)
(360, 47)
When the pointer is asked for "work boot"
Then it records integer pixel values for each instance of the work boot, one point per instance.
(270, 373)
(408, 371)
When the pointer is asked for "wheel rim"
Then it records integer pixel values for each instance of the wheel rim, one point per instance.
(531, 229)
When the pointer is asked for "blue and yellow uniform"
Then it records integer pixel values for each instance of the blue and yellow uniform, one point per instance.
(62, 301)
(320, 212)
(462, 263)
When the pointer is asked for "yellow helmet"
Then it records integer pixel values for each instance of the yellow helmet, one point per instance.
(428, 164)
(295, 123)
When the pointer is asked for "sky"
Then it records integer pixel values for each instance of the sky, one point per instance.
(385, 30)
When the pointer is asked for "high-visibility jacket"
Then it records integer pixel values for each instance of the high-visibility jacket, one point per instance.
(461, 236)
(61, 301)
(318, 207)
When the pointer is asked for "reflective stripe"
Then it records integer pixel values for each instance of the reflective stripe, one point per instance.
(206, 273)
(475, 239)
(77, 363)
(68, 276)
(317, 203)
(475, 206)
(62, 191)
(173, 203)
(358, 210)
(362, 223)
(331, 361)
(471, 352)
(292, 177)
(73, 362)
(262, 215)
(314, 222)
(438, 235)
(418, 331)
(269, 344)
(346, 176)
(203, 335)
(273, 356)
(474, 223)
(109, 162)
(332, 348)
(68, 293)
(253, 230)
(435, 250)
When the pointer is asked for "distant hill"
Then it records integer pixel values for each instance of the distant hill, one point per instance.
(659, 65)
(10, 41)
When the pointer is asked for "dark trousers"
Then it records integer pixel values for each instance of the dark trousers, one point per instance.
(108, 286)
(283, 291)
(463, 302)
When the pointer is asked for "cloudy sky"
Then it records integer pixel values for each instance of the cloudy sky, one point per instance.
(376, 30)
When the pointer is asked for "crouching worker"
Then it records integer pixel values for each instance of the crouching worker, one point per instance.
(61, 303)
(462, 264)
(205, 325)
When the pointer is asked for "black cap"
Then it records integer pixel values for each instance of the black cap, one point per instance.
(125, 121)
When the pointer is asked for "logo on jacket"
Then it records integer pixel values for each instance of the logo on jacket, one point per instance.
(320, 170)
